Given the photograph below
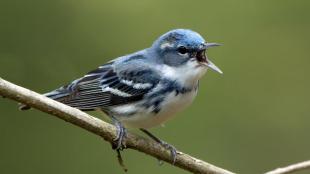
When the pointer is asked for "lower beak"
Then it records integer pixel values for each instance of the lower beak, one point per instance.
(213, 67)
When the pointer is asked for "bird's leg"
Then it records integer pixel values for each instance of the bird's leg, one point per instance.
(172, 149)
(121, 133)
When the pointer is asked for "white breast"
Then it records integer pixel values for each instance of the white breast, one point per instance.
(174, 104)
(186, 75)
(169, 107)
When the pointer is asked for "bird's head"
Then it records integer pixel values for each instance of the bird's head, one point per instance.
(182, 47)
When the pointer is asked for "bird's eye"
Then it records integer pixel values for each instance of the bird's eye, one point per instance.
(182, 50)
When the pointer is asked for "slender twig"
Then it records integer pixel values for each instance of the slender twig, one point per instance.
(291, 168)
(120, 160)
(103, 129)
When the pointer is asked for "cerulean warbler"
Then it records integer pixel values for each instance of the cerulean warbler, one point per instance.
(146, 88)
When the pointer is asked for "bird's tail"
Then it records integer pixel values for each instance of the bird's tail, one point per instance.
(57, 94)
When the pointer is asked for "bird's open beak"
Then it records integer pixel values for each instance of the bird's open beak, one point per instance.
(207, 62)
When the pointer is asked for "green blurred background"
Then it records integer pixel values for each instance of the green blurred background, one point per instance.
(252, 119)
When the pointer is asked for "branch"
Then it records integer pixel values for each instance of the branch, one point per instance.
(291, 168)
(103, 129)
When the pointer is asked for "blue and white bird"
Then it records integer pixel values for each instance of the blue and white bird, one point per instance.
(146, 88)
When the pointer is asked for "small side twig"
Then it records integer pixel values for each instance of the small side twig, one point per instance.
(291, 168)
(120, 161)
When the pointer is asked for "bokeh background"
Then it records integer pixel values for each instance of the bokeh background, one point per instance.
(252, 119)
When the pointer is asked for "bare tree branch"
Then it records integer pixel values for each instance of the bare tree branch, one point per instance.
(291, 168)
(107, 131)
(103, 129)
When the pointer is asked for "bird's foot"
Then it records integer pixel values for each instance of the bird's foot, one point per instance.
(172, 149)
(121, 134)
(118, 143)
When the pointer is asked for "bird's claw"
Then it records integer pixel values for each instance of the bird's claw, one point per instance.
(172, 149)
(118, 141)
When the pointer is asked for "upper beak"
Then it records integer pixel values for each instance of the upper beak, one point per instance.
(207, 45)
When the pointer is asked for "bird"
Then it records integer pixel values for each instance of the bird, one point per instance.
(143, 89)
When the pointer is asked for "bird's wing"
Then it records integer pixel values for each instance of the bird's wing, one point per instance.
(107, 86)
